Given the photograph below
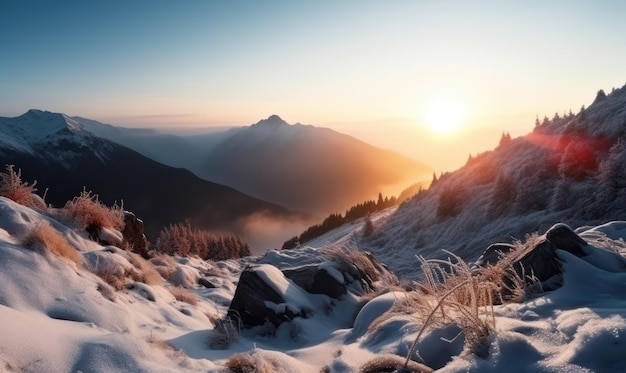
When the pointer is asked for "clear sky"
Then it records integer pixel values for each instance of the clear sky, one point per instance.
(379, 70)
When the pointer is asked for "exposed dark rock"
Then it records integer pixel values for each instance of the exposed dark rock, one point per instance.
(133, 234)
(316, 280)
(493, 254)
(101, 236)
(249, 305)
(206, 283)
(563, 237)
(538, 263)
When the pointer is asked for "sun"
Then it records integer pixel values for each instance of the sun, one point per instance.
(444, 115)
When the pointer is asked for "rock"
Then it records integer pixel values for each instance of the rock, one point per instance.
(563, 237)
(104, 236)
(133, 234)
(251, 305)
(316, 279)
(539, 262)
(206, 283)
(493, 254)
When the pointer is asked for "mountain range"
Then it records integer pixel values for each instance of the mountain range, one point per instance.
(218, 181)
(300, 167)
(64, 158)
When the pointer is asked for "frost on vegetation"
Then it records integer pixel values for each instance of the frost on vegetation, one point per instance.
(88, 212)
(120, 269)
(13, 188)
(226, 331)
(45, 238)
(256, 362)
(451, 293)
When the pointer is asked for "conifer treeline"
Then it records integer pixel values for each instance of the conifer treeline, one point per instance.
(335, 220)
(184, 240)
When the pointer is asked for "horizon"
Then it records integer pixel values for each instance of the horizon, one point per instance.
(387, 74)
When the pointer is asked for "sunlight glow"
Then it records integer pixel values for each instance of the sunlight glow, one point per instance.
(444, 115)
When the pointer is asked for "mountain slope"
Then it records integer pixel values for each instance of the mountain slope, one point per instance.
(63, 157)
(306, 167)
(570, 170)
(301, 167)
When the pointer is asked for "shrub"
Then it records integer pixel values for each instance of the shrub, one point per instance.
(87, 211)
(110, 275)
(183, 295)
(466, 298)
(145, 272)
(252, 363)
(44, 236)
(390, 363)
(184, 240)
(13, 188)
(226, 331)
(451, 202)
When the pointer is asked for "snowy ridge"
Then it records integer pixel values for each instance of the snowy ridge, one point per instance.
(35, 126)
(569, 169)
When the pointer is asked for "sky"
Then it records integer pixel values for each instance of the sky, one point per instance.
(382, 71)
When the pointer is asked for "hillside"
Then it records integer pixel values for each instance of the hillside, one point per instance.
(94, 308)
(308, 168)
(569, 169)
(301, 167)
(63, 157)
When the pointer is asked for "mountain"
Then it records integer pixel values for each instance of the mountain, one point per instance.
(164, 148)
(307, 168)
(64, 157)
(569, 169)
(301, 167)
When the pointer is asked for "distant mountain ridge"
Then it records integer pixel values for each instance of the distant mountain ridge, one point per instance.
(306, 167)
(301, 167)
(64, 157)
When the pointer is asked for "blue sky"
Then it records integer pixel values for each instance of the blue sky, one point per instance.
(363, 67)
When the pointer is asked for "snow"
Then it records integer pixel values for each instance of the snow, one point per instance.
(35, 126)
(53, 316)
(56, 315)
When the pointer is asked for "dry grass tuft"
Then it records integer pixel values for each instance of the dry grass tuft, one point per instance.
(43, 236)
(164, 265)
(13, 188)
(226, 331)
(362, 265)
(184, 295)
(87, 211)
(145, 272)
(454, 294)
(110, 275)
(252, 363)
(390, 363)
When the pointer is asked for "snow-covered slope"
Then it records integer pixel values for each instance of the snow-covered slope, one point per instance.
(569, 169)
(37, 127)
(58, 316)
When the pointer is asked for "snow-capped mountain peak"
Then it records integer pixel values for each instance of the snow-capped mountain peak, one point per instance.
(37, 126)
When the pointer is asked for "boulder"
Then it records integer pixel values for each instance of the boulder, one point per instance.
(133, 234)
(493, 254)
(317, 279)
(563, 237)
(537, 263)
(256, 302)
